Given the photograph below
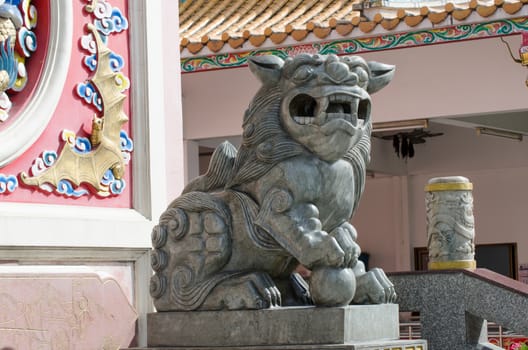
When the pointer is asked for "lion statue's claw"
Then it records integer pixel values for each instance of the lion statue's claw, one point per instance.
(374, 287)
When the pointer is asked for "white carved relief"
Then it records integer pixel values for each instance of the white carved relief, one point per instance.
(44, 308)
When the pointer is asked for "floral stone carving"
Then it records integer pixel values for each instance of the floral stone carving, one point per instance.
(235, 236)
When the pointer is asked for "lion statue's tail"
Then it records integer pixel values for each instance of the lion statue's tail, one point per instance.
(219, 171)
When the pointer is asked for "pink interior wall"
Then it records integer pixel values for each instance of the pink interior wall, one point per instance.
(461, 78)
(499, 207)
(217, 99)
(378, 222)
(499, 210)
(496, 166)
(456, 79)
(73, 114)
(498, 169)
(465, 77)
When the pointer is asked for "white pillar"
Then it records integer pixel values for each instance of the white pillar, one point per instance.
(192, 160)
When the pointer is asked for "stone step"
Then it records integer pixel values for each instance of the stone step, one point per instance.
(375, 345)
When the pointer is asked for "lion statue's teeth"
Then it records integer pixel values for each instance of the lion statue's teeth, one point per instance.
(353, 118)
(337, 115)
(354, 107)
(328, 108)
(304, 120)
(342, 106)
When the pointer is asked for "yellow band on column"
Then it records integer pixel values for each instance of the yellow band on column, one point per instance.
(452, 265)
(449, 186)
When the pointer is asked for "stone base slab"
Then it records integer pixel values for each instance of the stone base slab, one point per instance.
(378, 345)
(273, 327)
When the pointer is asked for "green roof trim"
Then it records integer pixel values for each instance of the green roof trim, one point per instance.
(375, 43)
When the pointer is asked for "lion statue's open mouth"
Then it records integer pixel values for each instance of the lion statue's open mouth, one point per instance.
(329, 120)
(331, 111)
(326, 103)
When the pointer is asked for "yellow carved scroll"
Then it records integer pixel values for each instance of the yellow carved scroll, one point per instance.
(106, 153)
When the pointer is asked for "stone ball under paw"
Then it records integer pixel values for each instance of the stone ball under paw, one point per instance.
(330, 286)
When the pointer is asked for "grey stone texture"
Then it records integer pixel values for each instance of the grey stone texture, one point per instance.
(454, 305)
(276, 326)
(284, 198)
(365, 327)
(374, 345)
(225, 251)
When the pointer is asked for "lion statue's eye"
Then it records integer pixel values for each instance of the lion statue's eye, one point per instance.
(303, 73)
(361, 74)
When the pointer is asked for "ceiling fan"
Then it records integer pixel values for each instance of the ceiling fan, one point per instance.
(403, 142)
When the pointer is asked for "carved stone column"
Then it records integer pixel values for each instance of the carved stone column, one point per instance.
(450, 223)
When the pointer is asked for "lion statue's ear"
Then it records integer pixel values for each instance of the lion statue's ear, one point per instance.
(266, 68)
(381, 75)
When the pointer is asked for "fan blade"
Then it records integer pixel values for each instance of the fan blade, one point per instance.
(404, 146)
(396, 144)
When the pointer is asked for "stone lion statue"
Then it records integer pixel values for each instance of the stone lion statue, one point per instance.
(235, 237)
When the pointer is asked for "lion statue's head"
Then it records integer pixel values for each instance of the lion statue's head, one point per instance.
(314, 103)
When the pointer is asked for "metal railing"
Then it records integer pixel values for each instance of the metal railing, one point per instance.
(497, 335)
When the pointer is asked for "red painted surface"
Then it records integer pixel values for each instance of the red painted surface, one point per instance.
(71, 113)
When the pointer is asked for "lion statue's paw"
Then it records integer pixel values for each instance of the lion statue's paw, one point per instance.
(253, 291)
(374, 287)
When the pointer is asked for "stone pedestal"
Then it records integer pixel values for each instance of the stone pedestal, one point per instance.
(381, 345)
(349, 327)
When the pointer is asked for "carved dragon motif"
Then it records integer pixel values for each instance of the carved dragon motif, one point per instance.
(106, 153)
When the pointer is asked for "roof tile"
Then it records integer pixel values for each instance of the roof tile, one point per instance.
(486, 11)
(389, 24)
(512, 7)
(215, 23)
